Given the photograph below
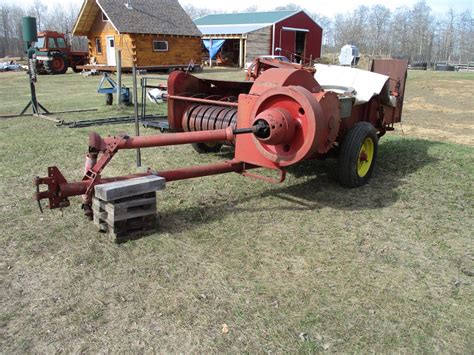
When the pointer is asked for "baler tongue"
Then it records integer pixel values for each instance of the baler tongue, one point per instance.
(53, 193)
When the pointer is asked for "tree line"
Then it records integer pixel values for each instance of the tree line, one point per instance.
(415, 33)
(57, 17)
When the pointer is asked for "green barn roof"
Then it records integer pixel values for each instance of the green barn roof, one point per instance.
(243, 18)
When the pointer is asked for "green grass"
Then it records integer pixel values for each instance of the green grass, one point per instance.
(382, 268)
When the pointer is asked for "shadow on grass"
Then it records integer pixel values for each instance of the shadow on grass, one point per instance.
(397, 159)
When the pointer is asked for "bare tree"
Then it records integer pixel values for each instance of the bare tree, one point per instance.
(38, 9)
(196, 12)
(465, 34)
(289, 7)
(378, 22)
(407, 32)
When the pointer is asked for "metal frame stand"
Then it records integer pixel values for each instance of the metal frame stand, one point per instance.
(38, 110)
(33, 103)
(162, 121)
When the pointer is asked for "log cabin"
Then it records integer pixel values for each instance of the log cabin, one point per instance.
(149, 33)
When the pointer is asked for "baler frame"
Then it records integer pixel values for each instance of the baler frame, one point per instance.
(280, 119)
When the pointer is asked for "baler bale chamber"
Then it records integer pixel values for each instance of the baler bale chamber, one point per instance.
(278, 118)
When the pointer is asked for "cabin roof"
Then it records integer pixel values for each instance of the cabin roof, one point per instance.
(145, 16)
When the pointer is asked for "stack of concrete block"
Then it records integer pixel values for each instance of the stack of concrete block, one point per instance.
(127, 209)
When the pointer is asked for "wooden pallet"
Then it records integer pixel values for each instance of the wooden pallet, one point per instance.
(127, 209)
(126, 218)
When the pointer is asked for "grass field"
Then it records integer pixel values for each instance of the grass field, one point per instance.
(306, 266)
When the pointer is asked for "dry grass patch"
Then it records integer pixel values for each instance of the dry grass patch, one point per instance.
(305, 266)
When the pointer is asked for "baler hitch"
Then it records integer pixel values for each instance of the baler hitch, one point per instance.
(102, 150)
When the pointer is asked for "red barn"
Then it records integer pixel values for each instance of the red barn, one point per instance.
(244, 36)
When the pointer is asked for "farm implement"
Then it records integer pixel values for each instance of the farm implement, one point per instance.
(280, 116)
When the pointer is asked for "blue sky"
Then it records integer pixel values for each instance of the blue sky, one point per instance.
(327, 8)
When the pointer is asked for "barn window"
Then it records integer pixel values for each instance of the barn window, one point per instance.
(160, 46)
(98, 46)
(104, 17)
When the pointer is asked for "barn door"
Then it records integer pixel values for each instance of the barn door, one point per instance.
(300, 45)
(111, 50)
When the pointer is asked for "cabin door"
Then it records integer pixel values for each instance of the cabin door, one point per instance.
(111, 50)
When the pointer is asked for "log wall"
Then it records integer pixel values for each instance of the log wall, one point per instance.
(138, 48)
(181, 50)
(101, 29)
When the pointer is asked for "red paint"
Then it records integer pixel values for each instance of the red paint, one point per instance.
(160, 140)
(314, 38)
(59, 189)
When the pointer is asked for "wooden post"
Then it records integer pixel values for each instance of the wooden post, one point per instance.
(245, 52)
(210, 56)
(241, 52)
(135, 106)
(119, 76)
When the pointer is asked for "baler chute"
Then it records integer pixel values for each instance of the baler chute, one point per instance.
(278, 120)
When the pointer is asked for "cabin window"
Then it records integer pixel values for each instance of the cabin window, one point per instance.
(51, 43)
(104, 17)
(61, 42)
(160, 46)
(98, 46)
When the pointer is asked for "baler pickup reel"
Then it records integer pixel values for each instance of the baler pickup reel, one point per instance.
(276, 121)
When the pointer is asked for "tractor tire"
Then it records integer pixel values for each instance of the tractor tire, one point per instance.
(357, 155)
(206, 148)
(109, 99)
(58, 65)
(39, 68)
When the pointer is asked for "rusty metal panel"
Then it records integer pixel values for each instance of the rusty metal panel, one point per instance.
(396, 69)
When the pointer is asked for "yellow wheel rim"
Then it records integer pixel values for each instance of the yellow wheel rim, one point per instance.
(366, 156)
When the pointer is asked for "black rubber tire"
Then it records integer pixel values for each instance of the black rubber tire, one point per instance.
(348, 157)
(50, 66)
(109, 99)
(204, 148)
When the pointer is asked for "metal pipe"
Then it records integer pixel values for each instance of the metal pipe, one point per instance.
(135, 106)
(159, 140)
(80, 187)
(204, 101)
(119, 75)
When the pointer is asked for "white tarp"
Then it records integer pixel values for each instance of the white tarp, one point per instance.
(365, 83)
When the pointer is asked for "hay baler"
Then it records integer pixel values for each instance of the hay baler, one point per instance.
(278, 118)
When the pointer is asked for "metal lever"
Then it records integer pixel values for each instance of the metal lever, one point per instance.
(37, 183)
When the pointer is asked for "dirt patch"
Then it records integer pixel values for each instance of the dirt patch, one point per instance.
(437, 134)
(439, 106)
(419, 103)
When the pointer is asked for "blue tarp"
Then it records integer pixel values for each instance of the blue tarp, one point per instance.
(216, 46)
